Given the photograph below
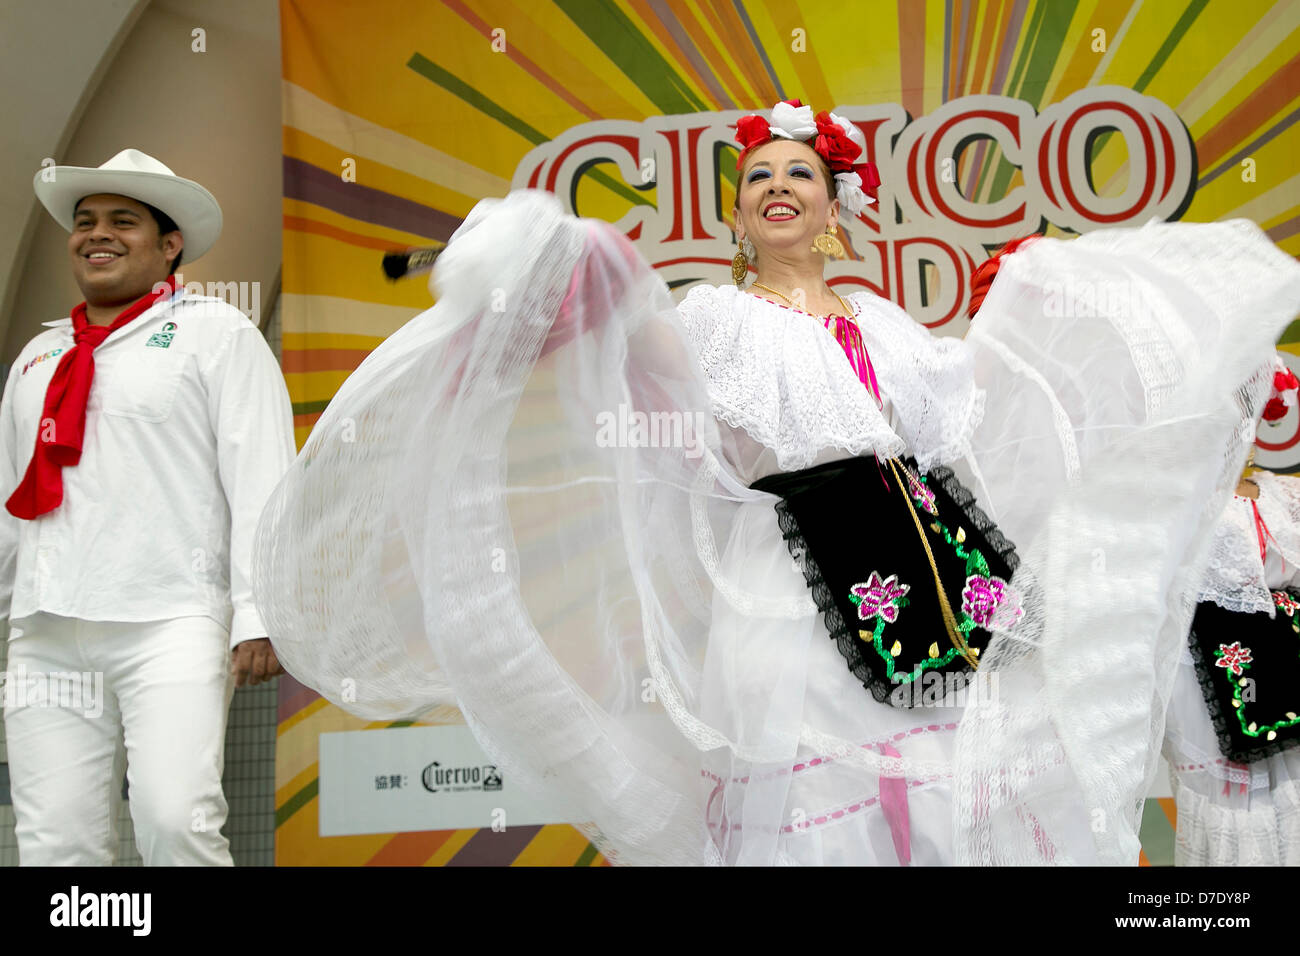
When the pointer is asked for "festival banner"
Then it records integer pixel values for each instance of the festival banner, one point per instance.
(987, 121)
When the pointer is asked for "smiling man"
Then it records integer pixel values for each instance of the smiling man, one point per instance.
(139, 439)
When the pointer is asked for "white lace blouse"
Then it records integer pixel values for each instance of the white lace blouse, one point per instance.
(1237, 579)
(788, 399)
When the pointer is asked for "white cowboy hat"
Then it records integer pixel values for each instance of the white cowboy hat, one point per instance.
(137, 176)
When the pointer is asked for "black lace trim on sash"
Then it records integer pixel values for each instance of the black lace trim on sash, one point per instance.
(1224, 721)
(962, 497)
(845, 638)
(850, 647)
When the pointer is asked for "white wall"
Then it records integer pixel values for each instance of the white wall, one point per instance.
(52, 55)
(213, 117)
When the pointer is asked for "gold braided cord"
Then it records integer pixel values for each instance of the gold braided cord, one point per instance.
(949, 619)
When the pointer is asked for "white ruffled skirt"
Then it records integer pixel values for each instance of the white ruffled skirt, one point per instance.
(786, 678)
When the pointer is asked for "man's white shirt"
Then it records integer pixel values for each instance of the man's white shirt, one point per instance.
(188, 431)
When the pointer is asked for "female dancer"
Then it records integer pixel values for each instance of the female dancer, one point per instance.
(696, 569)
(1232, 727)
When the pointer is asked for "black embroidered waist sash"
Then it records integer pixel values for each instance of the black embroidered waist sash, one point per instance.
(908, 572)
(1249, 670)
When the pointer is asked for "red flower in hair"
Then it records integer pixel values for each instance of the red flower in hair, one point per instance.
(1274, 410)
(870, 178)
(834, 145)
(752, 130)
(1285, 381)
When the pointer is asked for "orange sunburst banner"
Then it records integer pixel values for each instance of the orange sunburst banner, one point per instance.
(987, 121)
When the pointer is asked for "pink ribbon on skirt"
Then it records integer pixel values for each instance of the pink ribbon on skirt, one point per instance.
(893, 801)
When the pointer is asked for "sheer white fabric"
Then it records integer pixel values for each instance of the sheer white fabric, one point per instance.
(523, 502)
(1149, 343)
(1232, 814)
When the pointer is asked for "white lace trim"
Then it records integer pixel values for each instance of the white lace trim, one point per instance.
(779, 375)
(1237, 579)
(1263, 835)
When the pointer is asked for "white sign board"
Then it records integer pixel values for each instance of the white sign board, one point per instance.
(419, 778)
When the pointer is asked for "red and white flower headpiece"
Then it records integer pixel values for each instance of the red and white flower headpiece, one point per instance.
(837, 141)
(1285, 389)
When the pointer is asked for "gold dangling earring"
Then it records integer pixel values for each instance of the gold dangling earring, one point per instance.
(739, 268)
(740, 265)
(828, 244)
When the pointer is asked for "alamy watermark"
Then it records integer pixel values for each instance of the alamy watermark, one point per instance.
(932, 688)
(244, 296)
(129, 910)
(632, 428)
(70, 690)
(1096, 298)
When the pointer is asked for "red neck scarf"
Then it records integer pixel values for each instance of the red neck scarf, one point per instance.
(63, 419)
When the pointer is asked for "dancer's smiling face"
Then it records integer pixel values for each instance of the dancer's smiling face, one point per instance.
(786, 197)
(117, 250)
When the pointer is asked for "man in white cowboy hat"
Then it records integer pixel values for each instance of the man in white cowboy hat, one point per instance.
(139, 441)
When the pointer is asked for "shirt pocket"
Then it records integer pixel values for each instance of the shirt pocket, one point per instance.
(143, 385)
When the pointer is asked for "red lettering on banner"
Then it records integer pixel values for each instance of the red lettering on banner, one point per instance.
(693, 150)
(907, 262)
(627, 143)
(1011, 123)
(1279, 446)
(1280, 453)
(1045, 166)
(881, 288)
(871, 129)
(915, 179)
(1149, 152)
(907, 227)
(1063, 133)
(676, 179)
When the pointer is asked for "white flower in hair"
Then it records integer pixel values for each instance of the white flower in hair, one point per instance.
(848, 190)
(793, 122)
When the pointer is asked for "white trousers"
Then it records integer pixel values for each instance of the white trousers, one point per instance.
(84, 697)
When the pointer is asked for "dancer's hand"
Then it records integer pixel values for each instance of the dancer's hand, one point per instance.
(254, 661)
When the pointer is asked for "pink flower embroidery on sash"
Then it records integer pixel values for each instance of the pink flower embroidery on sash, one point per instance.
(878, 596)
(991, 602)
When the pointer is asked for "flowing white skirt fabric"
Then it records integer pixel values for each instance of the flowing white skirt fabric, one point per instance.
(520, 504)
(1126, 370)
